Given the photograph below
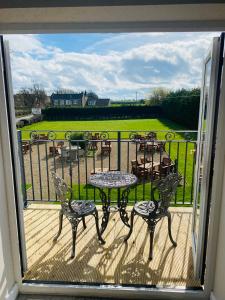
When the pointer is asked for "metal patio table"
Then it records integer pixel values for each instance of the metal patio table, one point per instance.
(113, 180)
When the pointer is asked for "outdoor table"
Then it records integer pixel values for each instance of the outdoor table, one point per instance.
(73, 151)
(113, 180)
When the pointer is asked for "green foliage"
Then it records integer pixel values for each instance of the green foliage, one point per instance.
(139, 125)
(182, 106)
(77, 136)
(101, 113)
(156, 96)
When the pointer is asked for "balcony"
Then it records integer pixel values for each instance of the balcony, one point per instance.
(116, 262)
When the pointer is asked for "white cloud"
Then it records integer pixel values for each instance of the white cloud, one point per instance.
(126, 63)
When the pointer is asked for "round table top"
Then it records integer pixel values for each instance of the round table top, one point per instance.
(112, 179)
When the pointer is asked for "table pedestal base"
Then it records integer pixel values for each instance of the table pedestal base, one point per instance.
(122, 204)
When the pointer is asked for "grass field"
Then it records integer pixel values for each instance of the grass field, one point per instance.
(102, 125)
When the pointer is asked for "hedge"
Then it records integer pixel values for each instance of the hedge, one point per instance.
(182, 107)
(101, 113)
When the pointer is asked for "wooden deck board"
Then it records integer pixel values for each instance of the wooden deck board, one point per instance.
(115, 262)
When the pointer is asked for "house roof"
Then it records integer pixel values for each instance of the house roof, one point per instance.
(102, 102)
(75, 96)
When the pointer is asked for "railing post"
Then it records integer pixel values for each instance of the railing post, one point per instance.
(119, 150)
(119, 158)
(23, 178)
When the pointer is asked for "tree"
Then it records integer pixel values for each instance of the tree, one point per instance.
(92, 95)
(157, 95)
(31, 97)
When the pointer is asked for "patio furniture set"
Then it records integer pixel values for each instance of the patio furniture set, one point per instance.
(151, 211)
(146, 168)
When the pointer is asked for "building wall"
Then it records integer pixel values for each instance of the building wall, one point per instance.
(117, 18)
(219, 282)
(7, 279)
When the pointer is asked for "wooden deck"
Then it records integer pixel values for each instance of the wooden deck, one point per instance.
(115, 262)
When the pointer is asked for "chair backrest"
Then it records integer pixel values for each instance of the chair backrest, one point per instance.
(61, 188)
(152, 135)
(60, 143)
(166, 161)
(134, 163)
(166, 189)
(142, 159)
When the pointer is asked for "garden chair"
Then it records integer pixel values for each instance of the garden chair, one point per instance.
(93, 145)
(137, 171)
(96, 136)
(106, 148)
(156, 208)
(53, 150)
(60, 144)
(161, 146)
(144, 160)
(26, 147)
(43, 136)
(151, 147)
(142, 146)
(165, 167)
(73, 210)
(152, 136)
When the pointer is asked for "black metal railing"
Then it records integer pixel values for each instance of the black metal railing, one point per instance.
(140, 152)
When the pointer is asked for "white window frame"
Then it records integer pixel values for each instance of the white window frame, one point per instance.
(110, 291)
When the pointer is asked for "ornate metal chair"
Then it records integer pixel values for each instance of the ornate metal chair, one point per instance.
(74, 210)
(154, 210)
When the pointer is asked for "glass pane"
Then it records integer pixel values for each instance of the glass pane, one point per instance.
(202, 145)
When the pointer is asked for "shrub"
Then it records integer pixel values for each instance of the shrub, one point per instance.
(77, 136)
(101, 113)
(182, 106)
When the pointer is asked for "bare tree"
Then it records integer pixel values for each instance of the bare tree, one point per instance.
(157, 95)
(31, 97)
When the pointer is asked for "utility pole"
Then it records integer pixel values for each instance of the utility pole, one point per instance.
(136, 96)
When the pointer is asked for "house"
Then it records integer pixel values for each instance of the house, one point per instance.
(69, 99)
(99, 102)
(39, 16)
(78, 100)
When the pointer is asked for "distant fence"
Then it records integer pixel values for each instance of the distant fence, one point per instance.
(98, 113)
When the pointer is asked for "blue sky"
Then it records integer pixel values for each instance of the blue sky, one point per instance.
(113, 65)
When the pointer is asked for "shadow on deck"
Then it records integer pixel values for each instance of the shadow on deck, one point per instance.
(115, 262)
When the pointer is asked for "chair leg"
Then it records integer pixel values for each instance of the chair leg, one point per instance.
(60, 225)
(152, 231)
(97, 227)
(169, 229)
(74, 224)
(84, 224)
(131, 226)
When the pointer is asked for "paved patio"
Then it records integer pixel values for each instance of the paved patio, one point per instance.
(39, 163)
(115, 262)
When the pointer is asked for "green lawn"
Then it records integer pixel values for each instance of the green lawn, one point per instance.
(138, 193)
(101, 125)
